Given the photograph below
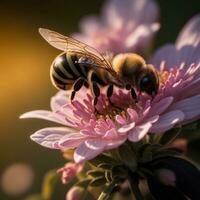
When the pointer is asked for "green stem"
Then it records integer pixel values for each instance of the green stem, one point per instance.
(105, 195)
(134, 185)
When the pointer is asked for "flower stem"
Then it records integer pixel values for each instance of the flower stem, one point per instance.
(134, 186)
(105, 195)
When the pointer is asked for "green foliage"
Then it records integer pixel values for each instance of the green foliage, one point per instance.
(34, 197)
(101, 159)
(83, 183)
(99, 181)
(107, 191)
(49, 183)
(128, 157)
(170, 135)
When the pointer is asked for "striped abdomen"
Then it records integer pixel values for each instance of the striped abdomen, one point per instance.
(65, 71)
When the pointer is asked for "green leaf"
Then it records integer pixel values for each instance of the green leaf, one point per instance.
(147, 155)
(166, 152)
(169, 136)
(102, 158)
(48, 185)
(95, 173)
(119, 173)
(105, 195)
(108, 176)
(98, 181)
(105, 166)
(34, 197)
(83, 183)
(128, 157)
(146, 151)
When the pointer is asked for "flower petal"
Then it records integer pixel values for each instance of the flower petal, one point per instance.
(71, 140)
(89, 25)
(88, 150)
(49, 137)
(190, 107)
(167, 121)
(141, 35)
(186, 49)
(126, 128)
(46, 115)
(190, 34)
(131, 10)
(139, 132)
(159, 107)
(110, 134)
(59, 100)
(166, 55)
(115, 143)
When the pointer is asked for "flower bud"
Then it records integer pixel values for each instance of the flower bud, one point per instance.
(74, 193)
(69, 171)
(166, 177)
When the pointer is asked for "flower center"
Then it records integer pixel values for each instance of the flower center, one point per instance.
(163, 76)
(111, 111)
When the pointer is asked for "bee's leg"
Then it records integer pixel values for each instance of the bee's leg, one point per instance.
(109, 94)
(96, 92)
(134, 95)
(93, 86)
(77, 86)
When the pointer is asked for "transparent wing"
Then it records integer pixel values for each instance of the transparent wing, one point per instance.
(69, 44)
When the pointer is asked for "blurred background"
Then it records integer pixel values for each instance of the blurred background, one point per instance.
(25, 59)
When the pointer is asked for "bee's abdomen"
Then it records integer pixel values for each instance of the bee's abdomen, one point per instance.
(65, 70)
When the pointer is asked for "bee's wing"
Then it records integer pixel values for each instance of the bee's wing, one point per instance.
(69, 44)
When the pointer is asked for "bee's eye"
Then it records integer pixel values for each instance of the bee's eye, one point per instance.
(146, 82)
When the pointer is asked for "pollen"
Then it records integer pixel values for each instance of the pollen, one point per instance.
(163, 76)
(111, 111)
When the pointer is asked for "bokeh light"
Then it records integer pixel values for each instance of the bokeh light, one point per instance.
(17, 179)
(25, 83)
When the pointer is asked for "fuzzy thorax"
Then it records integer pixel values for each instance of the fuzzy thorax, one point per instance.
(128, 65)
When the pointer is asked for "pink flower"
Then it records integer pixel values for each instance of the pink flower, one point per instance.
(69, 171)
(75, 193)
(179, 66)
(90, 134)
(127, 25)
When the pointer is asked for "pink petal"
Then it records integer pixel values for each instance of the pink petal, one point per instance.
(139, 132)
(141, 35)
(167, 121)
(142, 11)
(115, 143)
(190, 34)
(186, 49)
(143, 8)
(110, 134)
(121, 120)
(133, 114)
(88, 150)
(49, 137)
(126, 128)
(159, 107)
(71, 140)
(192, 89)
(46, 115)
(166, 54)
(59, 100)
(89, 25)
(190, 107)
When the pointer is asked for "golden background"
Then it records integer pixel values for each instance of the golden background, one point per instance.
(25, 59)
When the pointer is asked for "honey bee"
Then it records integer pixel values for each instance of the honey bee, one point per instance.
(80, 64)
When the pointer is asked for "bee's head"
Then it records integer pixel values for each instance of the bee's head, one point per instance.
(132, 70)
(148, 81)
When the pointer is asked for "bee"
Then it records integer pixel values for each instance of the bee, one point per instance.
(80, 64)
